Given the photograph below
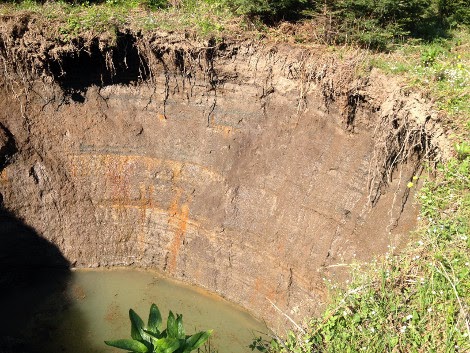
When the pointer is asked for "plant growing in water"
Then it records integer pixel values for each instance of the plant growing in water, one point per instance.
(151, 339)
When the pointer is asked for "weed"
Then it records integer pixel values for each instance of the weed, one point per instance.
(429, 55)
(463, 150)
(151, 338)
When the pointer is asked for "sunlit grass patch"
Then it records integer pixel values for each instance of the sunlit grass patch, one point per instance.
(201, 17)
(441, 69)
(414, 301)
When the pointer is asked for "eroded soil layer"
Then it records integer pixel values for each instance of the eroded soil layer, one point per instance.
(249, 169)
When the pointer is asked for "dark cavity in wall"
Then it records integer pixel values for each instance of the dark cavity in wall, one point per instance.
(8, 146)
(76, 71)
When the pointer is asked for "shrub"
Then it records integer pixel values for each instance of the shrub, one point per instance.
(453, 12)
(268, 10)
(378, 23)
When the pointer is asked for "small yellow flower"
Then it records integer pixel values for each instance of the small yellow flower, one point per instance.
(410, 184)
(415, 177)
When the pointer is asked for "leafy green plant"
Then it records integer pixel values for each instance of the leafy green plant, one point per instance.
(428, 57)
(152, 339)
(156, 4)
(463, 150)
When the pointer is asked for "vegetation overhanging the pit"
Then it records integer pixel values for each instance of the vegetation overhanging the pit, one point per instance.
(379, 25)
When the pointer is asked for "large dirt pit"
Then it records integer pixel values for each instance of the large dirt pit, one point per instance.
(250, 169)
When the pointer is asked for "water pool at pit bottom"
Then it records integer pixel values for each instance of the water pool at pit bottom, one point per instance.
(91, 306)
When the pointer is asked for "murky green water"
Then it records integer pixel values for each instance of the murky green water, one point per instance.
(91, 306)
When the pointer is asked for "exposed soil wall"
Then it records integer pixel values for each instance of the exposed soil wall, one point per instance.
(251, 169)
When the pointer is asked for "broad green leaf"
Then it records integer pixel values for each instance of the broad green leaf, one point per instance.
(167, 345)
(152, 337)
(171, 326)
(132, 345)
(153, 334)
(197, 340)
(179, 324)
(155, 319)
(357, 318)
(136, 325)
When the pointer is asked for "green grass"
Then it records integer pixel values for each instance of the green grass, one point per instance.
(414, 301)
(440, 69)
(202, 17)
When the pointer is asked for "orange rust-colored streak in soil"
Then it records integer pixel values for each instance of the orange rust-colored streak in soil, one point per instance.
(263, 288)
(225, 130)
(180, 217)
(4, 177)
(119, 172)
(145, 202)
